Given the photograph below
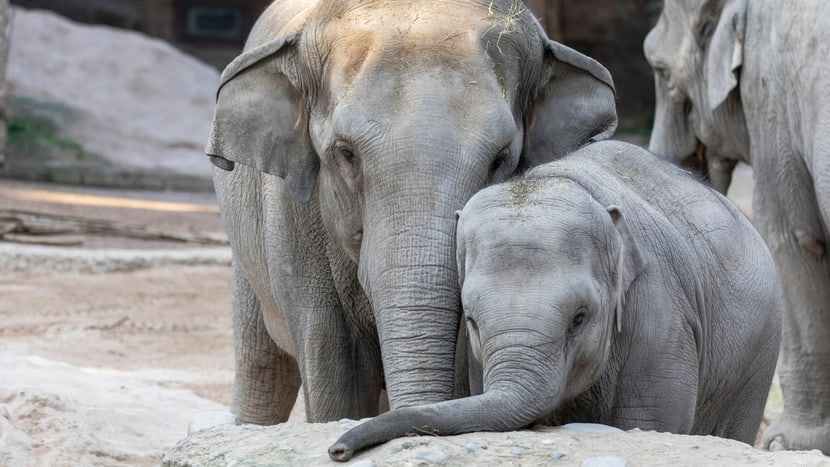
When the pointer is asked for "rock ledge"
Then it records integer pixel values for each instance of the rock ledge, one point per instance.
(306, 444)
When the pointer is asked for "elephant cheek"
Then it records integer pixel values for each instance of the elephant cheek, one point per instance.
(590, 358)
(342, 213)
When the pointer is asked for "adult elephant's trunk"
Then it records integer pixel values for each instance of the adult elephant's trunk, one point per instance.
(672, 137)
(407, 268)
(508, 406)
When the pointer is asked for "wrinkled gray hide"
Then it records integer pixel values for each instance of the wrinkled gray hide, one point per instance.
(345, 137)
(607, 287)
(748, 81)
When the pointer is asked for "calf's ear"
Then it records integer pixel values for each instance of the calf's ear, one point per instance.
(629, 260)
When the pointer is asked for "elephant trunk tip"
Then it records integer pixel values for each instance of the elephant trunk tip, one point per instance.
(340, 452)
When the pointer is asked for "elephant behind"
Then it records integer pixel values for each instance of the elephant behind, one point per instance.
(748, 80)
(345, 137)
(607, 287)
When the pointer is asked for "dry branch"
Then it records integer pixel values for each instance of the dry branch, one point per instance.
(35, 227)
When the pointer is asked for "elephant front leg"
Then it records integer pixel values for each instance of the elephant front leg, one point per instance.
(337, 346)
(804, 363)
(789, 215)
(266, 378)
(338, 379)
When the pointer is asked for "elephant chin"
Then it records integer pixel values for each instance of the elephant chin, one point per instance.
(696, 161)
(714, 169)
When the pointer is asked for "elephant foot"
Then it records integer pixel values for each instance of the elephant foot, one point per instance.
(789, 435)
(211, 419)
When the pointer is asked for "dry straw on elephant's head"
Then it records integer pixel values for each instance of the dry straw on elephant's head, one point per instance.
(506, 19)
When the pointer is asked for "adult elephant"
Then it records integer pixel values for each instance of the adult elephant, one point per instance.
(346, 136)
(749, 81)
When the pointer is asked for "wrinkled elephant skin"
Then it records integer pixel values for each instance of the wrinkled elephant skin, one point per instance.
(595, 291)
(749, 79)
(345, 137)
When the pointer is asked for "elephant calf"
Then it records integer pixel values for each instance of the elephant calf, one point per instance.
(607, 287)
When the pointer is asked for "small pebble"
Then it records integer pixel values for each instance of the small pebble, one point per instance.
(558, 455)
(516, 452)
(406, 445)
(605, 461)
(214, 455)
(472, 447)
(547, 442)
(591, 428)
(433, 457)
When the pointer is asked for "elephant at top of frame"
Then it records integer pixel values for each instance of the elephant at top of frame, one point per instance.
(749, 80)
(607, 287)
(345, 137)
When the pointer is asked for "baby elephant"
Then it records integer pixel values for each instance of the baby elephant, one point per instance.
(607, 287)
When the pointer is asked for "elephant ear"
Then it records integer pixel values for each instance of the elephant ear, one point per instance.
(629, 262)
(260, 119)
(725, 48)
(460, 249)
(575, 104)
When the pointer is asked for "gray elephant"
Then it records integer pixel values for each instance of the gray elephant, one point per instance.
(749, 80)
(346, 135)
(608, 287)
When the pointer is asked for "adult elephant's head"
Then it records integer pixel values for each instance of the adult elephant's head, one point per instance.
(398, 112)
(696, 50)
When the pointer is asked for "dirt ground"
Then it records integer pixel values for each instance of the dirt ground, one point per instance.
(174, 317)
(81, 344)
(166, 326)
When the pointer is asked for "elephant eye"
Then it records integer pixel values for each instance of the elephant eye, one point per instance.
(343, 153)
(475, 340)
(471, 322)
(500, 161)
(578, 318)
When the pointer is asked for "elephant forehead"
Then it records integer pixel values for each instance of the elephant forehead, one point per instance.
(549, 201)
(549, 236)
(421, 35)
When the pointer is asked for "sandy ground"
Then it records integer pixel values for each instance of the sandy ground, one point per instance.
(105, 361)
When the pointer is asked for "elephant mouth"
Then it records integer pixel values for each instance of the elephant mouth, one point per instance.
(696, 161)
(357, 237)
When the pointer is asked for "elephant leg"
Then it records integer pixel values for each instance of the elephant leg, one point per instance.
(793, 223)
(804, 365)
(342, 371)
(267, 379)
(337, 385)
(740, 416)
(337, 347)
